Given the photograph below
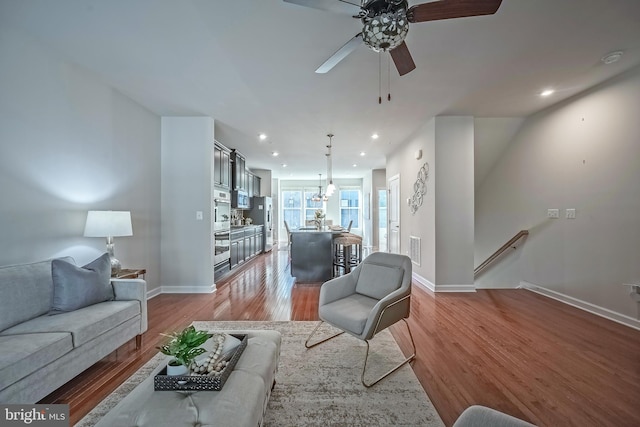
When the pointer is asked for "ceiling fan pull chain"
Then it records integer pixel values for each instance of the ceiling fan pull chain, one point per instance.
(379, 77)
(389, 77)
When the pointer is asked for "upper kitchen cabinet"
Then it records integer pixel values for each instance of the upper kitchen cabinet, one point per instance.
(221, 166)
(249, 178)
(239, 173)
(256, 186)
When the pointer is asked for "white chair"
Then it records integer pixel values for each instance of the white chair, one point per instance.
(374, 296)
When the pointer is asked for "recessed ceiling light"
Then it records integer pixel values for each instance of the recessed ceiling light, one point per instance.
(547, 92)
(375, 136)
(284, 165)
(612, 57)
(275, 154)
(354, 165)
(362, 153)
(262, 136)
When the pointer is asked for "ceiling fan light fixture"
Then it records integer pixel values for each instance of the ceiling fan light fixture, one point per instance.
(385, 31)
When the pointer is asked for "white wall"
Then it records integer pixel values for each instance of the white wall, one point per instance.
(445, 221)
(582, 154)
(70, 143)
(187, 188)
(454, 191)
(421, 224)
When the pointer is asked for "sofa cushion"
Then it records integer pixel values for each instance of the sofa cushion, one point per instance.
(76, 287)
(350, 313)
(27, 292)
(83, 324)
(377, 280)
(24, 354)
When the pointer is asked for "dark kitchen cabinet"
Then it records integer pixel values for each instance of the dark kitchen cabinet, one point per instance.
(249, 177)
(239, 172)
(235, 254)
(259, 242)
(256, 186)
(221, 166)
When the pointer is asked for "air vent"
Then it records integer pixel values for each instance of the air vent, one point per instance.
(414, 249)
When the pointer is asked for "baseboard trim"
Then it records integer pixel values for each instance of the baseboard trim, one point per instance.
(425, 283)
(154, 292)
(583, 305)
(188, 289)
(428, 285)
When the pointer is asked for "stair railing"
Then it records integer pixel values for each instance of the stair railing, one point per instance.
(511, 244)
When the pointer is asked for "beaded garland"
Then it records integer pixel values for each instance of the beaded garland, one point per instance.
(212, 365)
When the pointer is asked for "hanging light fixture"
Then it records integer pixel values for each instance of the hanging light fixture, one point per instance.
(319, 197)
(330, 187)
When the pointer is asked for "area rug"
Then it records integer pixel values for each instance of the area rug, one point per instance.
(321, 386)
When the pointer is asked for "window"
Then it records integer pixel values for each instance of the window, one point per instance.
(294, 211)
(350, 208)
(292, 208)
(311, 206)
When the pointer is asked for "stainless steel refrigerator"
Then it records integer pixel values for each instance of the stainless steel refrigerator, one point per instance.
(262, 214)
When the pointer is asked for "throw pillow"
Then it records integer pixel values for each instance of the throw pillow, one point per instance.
(377, 281)
(76, 287)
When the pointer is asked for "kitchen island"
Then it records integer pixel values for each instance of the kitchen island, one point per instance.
(312, 255)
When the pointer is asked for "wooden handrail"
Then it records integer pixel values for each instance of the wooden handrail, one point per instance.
(496, 254)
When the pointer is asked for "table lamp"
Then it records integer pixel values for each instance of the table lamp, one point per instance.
(109, 224)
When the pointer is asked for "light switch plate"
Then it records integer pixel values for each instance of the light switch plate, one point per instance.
(199, 215)
(571, 214)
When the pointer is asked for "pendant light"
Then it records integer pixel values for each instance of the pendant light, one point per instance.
(330, 187)
(319, 197)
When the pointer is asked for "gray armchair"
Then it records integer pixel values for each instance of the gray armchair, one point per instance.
(374, 296)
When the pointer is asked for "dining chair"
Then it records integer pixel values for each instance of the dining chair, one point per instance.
(288, 239)
(374, 296)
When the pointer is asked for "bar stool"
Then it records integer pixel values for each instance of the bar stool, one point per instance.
(347, 252)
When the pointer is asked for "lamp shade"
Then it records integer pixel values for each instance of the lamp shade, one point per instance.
(108, 224)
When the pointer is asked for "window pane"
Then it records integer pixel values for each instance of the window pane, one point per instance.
(291, 199)
(382, 208)
(310, 204)
(348, 215)
(350, 208)
(350, 198)
(292, 216)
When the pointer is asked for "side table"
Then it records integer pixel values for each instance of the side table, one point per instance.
(131, 273)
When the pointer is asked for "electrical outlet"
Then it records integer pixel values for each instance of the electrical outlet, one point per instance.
(571, 214)
(553, 213)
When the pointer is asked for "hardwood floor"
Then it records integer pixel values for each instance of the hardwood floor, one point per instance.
(513, 350)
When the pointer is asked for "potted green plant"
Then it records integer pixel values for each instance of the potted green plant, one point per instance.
(184, 347)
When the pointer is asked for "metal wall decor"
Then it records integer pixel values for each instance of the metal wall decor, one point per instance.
(419, 188)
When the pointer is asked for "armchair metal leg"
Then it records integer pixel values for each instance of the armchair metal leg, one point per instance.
(306, 343)
(407, 360)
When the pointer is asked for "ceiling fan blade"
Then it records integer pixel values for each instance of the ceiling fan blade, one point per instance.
(402, 58)
(340, 54)
(447, 9)
(337, 6)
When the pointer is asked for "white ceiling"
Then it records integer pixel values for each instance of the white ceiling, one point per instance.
(250, 65)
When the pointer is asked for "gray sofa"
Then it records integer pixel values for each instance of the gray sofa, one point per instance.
(41, 352)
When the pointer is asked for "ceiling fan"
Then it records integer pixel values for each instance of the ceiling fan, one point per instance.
(386, 23)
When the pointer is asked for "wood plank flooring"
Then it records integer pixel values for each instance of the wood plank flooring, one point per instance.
(513, 350)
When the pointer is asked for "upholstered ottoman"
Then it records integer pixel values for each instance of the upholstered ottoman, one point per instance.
(241, 402)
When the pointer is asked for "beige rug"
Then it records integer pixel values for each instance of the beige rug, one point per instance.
(321, 386)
